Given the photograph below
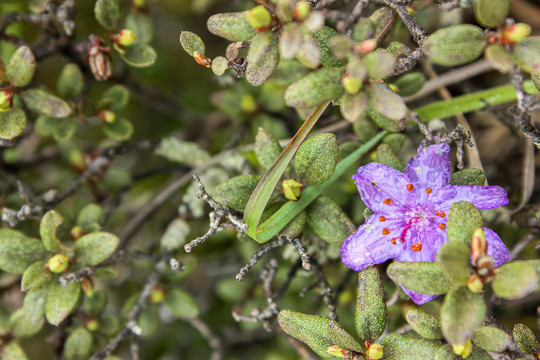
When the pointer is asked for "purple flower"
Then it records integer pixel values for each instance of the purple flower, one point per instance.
(410, 212)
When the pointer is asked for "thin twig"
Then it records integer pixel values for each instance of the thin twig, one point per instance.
(214, 341)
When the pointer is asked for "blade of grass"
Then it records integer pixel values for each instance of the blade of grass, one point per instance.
(258, 200)
(288, 211)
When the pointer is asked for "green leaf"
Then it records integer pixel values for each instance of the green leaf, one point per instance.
(94, 248)
(70, 83)
(315, 88)
(17, 251)
(62, 301)
(385, 102)
(455, 45)
(371, 312)
(454, 257)
(287, 212)
(149, 320)
(36, 277)
(78, 344)
(114, 98)
(191, 42)
(491, 13)
(41, 102)
(120, 129)
(95, 305)
(446, 353)
(379, 63)
(468, 177)
(141, 25)
(463, 219)
(47, 230)
(329, 221)
(28, 320)
(353, 107)
(410, 83)
(235, 192)
(21, 67)
(64, 128)
(175, 235)
(182, 304)
(182, 152)
(262, 193)
(324, 37)
(426, 325)
(263, 58)
(13, 351)
(139, 55)
(491, 338)
(107, 13)
(403, 347)
(385, 155)
(90, 217)
(527, 54)
(423, 277)
(525, 339)
(515, 280)
(317, 332)
(462, 312)
(267, 148)
(232, 26)
(316, 159)
(12, 122)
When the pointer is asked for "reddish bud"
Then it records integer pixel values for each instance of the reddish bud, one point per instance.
(375, 352)
(301, 10)
(6, 99)
(87, 286)
(475, 283)
(292, 189)
(259, 18)
(201, 59)
(92, 324)
(515, 33)
(335, 350)
(366, 46)
(76, 232)
(125, 37)
(99, 59)
(351, 84)
(478, 244)
(157, 294)
(58, 263)
(107, 116)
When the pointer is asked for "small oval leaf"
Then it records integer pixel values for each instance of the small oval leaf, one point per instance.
(94, 248)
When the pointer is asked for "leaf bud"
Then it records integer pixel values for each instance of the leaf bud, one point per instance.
(259, 18)
(107, 116)
(375, 352)
(76, 232)
(484, 265)
(464, 349)
(202, 60)
(292, 189)
(475, 283)
(99, 59)
(336, 351)
(58, 263)
(92, 324)
(478, 244)
(6, 97)
(125, 37)
(87, 286)
(301, 10)
(351, 84)
(515, 33)
(157, 294)
(248, 104)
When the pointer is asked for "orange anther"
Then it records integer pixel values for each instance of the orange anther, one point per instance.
(388, 201)
(394, 241)
(416, 246)
(410, 187)
(382, 218)
(386, 231)
(442, 226)
(428, 190)
(437, 213)
(442, 214)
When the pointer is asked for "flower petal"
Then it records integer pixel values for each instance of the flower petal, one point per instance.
(383, 189)
(431, 168)
(368, 246)
(429, 236)
(417, 297)
(483, 197)
(496, 248)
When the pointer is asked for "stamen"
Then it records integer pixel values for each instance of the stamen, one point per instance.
(442, 214)
(395, 241)
(410, 187)
(413, 220)
(442, 226)
(437, 213)
(428, 190)
(389, 202)
(386, 231)
(382, 219)
(416, 246)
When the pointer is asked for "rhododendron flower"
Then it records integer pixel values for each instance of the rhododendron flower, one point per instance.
(410, 212)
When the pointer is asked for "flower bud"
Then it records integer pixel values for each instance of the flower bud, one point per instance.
(464, 349)
(484, 265)
(99, 59)
(58, 263)
(375, 352)
(335, 350)
(478, 244)
(157, 294)
(292, 189)
(301, 10)
(76, 232)
(515, 33)
(366, 46)
(107, 116)
(475, 283)
(87, 286)
(125, 37)
(201, 59)
(351, 84)
(6, 97)
(259, 18)
(92, 324)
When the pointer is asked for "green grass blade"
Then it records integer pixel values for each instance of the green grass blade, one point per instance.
(258, 200)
